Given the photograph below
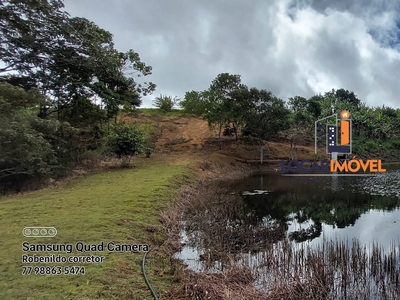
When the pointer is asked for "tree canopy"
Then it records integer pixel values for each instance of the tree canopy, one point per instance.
(70, 59)
(230, 104)
(62, 79)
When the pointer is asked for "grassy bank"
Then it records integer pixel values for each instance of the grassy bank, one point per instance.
(118, 205)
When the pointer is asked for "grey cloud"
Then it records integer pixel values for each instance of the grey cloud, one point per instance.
(189, 43)
(356, 7)
(374, 12)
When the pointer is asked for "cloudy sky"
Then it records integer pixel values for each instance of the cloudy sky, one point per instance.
(289, 47)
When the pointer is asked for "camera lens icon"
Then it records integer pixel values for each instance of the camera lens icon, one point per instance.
(39, 231)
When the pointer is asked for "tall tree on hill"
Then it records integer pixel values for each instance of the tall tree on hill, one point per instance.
(299, 107)
(232, 98)
(216, 113)
(195, 103)
(71, 59)
(348, 97)
(269, 115)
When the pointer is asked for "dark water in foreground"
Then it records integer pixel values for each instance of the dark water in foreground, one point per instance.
(308, 210)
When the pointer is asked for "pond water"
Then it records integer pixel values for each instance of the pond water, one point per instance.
(307, 210)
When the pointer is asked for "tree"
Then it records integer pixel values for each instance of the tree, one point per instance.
(305, 112)
(25, 153)
(269, 115)
(30, 30)
(314, 108)
(298, 104)
(125, 141)
(232, 98)
(82, 113)
(348, 97)
(300, 119)
(116, 86)
(14, 98)
(165, 103)
(67, 58)
(226, 83)
(216, 113)
(30, 148)
(238, 106)
(195, 103)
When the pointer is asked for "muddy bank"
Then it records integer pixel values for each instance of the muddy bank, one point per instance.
(226, 168)
(235, 282)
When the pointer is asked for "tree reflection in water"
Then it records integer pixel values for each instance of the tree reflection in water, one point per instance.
(311, 202)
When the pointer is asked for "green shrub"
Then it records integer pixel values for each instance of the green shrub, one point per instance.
(194, 103)
(150, 136)
(165, 103)
(125, 141)
(395, 143)
(371, 146)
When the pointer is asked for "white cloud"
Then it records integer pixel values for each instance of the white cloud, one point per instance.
(304, 48)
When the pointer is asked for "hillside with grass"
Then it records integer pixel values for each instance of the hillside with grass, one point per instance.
(189, 137)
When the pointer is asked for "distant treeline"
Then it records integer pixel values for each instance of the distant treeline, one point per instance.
(234, 107)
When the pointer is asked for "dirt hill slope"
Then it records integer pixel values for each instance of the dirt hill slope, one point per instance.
(189, 139)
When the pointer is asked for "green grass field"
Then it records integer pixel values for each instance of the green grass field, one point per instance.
(120, 205)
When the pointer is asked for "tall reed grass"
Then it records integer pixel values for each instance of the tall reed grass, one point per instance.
(331, 270)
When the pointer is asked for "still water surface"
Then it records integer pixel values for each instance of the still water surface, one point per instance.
(315, 209)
